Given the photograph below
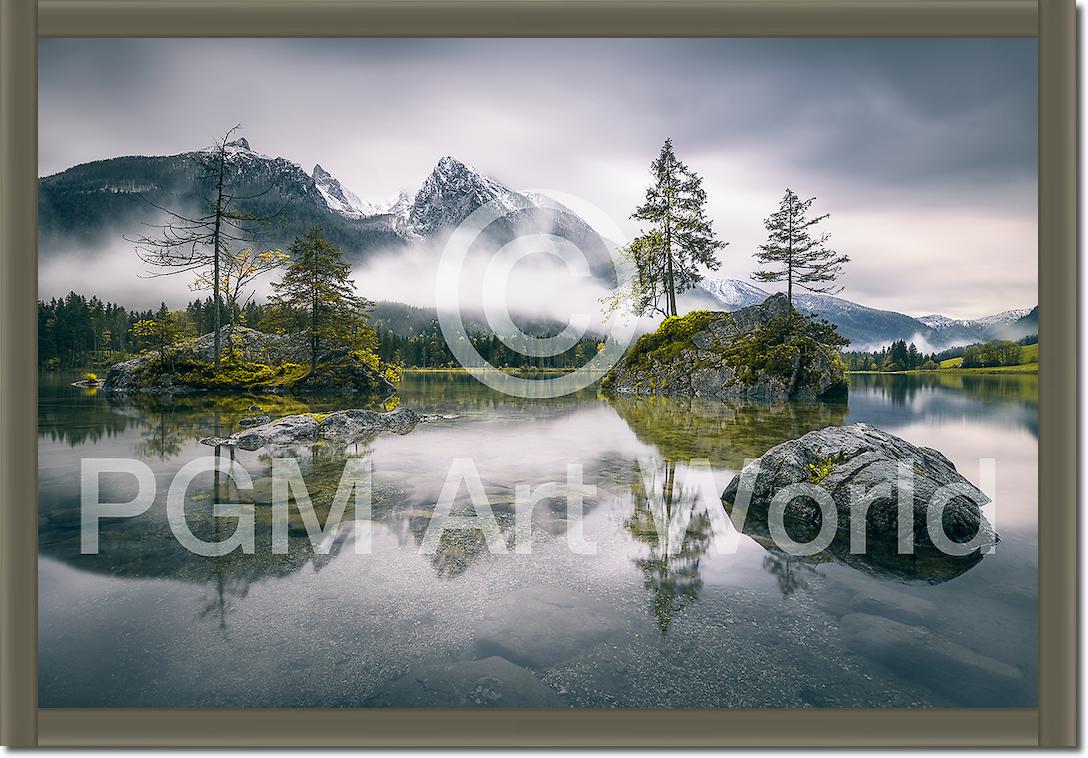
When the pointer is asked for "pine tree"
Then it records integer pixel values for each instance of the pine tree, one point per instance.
(679, 240)
(794, 254)
(316, 296)
(162, 332)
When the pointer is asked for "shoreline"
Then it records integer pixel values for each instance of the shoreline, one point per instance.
(1021, 370)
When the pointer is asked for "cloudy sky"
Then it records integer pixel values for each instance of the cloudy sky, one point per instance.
(923, 151)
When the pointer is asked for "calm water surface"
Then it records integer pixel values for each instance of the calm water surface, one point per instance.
(646, 622)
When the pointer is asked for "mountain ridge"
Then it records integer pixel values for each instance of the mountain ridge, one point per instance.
(869, 328)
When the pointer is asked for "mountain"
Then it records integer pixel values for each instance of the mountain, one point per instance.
(98, 203)
(340, 200)
(452, 192)
(733, 294)
(1024, 326)
(870, 328)
(1005, 317)
(996, 326)
(103, 201)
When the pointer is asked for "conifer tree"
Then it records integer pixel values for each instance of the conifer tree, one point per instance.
(317, 297)
(679, 238)
(794, 254)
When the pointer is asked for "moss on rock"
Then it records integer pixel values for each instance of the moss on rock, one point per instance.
(768, 351)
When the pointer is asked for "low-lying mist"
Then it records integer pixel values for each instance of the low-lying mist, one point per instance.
(532, 286)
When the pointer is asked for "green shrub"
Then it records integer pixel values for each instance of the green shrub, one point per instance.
(782, 345)
(822, 468)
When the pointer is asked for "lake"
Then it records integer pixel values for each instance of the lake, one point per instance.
(660, 616)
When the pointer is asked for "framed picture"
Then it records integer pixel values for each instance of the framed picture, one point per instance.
(655, 373)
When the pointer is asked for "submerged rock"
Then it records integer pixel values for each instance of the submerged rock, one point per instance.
(492, 682)
(849, 461)
(347, 425)
(698, 355)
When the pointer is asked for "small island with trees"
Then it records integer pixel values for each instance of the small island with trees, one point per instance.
(766, 352)
(313, 335)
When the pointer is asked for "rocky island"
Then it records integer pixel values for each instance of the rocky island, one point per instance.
(762, 352)
(253, 361)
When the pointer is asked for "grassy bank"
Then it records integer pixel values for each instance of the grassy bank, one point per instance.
(1030, 365)
(1030, 356)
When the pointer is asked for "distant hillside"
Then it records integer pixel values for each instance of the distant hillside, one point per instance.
(869, 328)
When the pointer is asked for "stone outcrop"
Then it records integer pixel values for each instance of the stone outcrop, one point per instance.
(339, 426)
(849, 461)
(336, 373)
(697, 355)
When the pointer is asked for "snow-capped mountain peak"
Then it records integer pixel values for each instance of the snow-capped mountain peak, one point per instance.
(734, 293)
(240, 149)
(452, 191)
(942, 323)
(400, 204)
(937, 321)
(340, 199)
(1005, 317)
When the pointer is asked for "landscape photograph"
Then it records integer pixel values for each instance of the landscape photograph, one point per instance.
(537, 373)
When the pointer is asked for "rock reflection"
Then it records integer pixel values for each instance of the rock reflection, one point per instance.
(880, 559)
(145, 547)
(725, 433)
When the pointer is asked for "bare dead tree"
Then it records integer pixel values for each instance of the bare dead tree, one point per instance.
(197, 242)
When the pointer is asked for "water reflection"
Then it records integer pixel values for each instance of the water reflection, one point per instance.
(791, 572)
(880, 559)
(725, 433)
(678, 535)
(657, 573)
(1009, 400)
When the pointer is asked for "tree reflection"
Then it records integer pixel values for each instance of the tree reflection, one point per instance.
(791, 572)
(665, 519)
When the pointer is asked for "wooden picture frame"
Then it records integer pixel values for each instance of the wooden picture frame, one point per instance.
(1052, 723)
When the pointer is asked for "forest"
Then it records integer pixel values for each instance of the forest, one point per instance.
(78, 332)
(899, 356)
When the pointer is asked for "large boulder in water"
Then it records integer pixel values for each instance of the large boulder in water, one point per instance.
(715, 354)
(851, 462)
